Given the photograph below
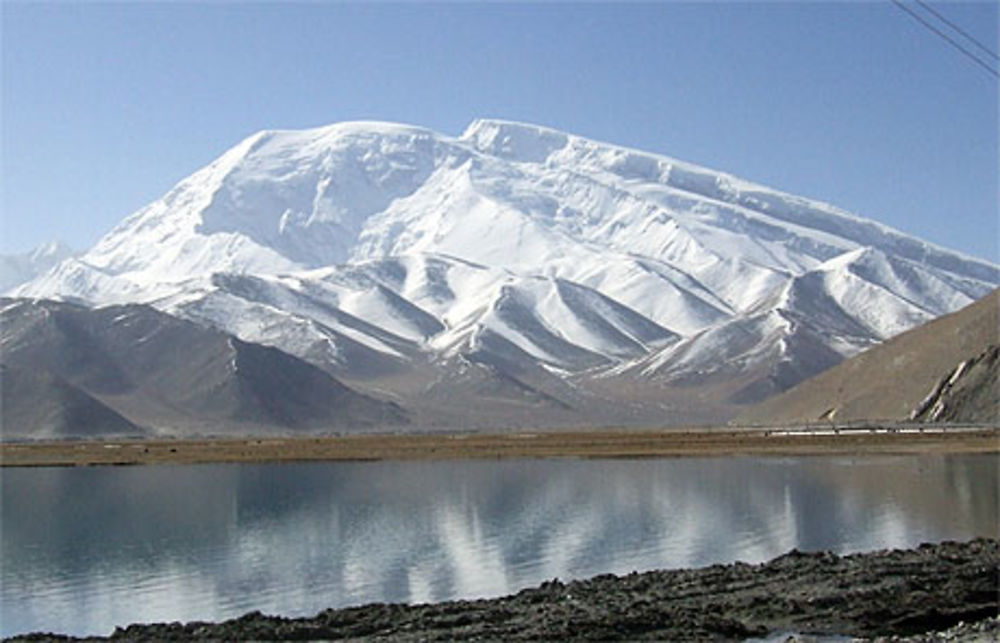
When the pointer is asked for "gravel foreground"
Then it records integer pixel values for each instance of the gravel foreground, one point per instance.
(947, 591)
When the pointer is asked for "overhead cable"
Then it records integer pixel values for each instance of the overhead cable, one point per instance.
(958, 29)
(945, 36)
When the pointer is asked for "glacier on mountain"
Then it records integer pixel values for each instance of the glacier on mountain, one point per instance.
(539, 262)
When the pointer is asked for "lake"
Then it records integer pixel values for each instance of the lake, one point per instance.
(86, 549)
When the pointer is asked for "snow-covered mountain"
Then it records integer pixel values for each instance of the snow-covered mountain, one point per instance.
(522, 267)
(18, 269)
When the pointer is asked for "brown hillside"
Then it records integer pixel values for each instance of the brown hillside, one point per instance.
(892, 379)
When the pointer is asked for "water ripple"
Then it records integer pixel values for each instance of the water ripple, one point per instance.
(85, 550)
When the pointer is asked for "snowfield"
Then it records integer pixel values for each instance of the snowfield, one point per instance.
(380, 251)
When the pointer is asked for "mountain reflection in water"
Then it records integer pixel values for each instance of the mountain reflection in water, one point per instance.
(85, 549)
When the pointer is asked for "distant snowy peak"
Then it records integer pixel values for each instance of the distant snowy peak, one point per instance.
(813, 228)
(50, 252)
(16, 269)
(502, 194)
(372, 248)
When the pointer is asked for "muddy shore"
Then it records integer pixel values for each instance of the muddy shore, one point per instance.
(583, 444)
(899, 593)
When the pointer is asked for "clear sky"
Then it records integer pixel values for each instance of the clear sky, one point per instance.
(106, 106)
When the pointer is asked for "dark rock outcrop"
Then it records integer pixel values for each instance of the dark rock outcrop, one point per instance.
(969, 393)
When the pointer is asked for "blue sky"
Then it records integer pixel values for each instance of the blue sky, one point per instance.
(106, 106)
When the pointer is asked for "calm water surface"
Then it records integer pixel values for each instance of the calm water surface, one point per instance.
(86, 549)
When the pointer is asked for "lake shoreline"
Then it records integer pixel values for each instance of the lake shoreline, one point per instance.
(604, 443)
(896, 593)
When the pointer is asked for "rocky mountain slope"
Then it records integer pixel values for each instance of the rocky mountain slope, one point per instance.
(969, 393)
(73, 371)
(40, 405)
(906, 376)
(534, 275)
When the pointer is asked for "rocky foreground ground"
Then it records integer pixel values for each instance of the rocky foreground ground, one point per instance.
(946, 591)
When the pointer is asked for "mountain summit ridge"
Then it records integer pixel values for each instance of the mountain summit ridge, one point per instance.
(517, 255)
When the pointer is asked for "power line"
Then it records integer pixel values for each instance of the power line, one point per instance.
(951, 24)
(954, 44)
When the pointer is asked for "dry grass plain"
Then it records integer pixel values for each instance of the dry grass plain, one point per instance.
(573, 444)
